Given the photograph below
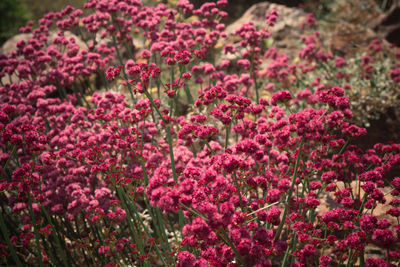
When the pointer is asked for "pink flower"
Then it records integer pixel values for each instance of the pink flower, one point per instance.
(273, 215)
(340, 62)
(146, 54)
(186, 259)
(273, 195)
(368, 223)
(280, 97)
(384, 237)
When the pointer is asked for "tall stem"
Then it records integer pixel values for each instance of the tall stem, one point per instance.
(7, 238)
(280, 227)
(228, 129)
(8, 160)
(53, 230)
(235, 180)
(123, 69)
(35, 229)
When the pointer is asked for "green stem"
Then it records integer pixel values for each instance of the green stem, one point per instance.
(235, 180)
(209, 147)
(103, 78)
(253, 73)
(186, 88)
(263, 208)
(148, 95)
(162, 233)
(228, 242)
(131, 228)
(35, 229)
(123, 69)
(132, 205)
(53, 260)
(362, 261)
(82, 250)
(53, 230)
(8, 160)
(78, 98)
(286, 257)
(228, 129)
(171, 154)
(349, 259)
(192, 210)
(83, 97)
(280, 227)
(7, 238)
(344, 146)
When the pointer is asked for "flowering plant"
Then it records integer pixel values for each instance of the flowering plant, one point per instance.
(195, 163)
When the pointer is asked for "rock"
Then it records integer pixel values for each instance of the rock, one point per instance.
(11, 44)
(340, 37)
(286, 29)
(387, 26)
(346, 39)
(236, 8)
(328, 203)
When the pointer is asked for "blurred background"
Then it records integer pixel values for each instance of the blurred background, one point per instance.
(16, 13)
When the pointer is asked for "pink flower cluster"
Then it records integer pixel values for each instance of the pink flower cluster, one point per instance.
(107, 180)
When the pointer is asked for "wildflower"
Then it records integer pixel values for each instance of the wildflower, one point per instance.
(368, 223)
(384, 237)
(273, 215)
(281, 97)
